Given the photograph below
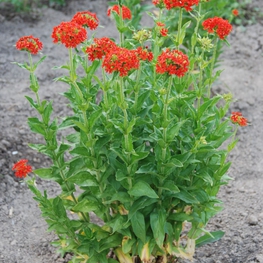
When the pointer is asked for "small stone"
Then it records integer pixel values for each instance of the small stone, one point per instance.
(259, 258)
(13, 242)
(252, 220)
(241, 190)
(260, 216)
(6, 143)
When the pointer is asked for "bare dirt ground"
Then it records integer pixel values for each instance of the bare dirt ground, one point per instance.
(23, 236)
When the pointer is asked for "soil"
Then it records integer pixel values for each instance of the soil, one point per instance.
(23, 235)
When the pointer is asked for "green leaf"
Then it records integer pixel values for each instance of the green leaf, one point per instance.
(68, 122)
(138, 226)
(59, 208)
(173, 131)
(170, 186)
(24, 66)
(36, 126)
(47, 112)
(47, 173)
(83, 178)
(140, 204)
(40, 61)
(83, 151)
(157, 222)
(148, 168)
(209, 238)
(181, 217)
(93, 117)
(127, 244)
(32, 103)
(86, 206)
(207, 104)
(139, 156)
(141, 188)
(186, 197)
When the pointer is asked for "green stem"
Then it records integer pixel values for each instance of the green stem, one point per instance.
(67, 186)
(121, 34)
(166, 118)
(197, 25)
(179, 27)
(212, 67)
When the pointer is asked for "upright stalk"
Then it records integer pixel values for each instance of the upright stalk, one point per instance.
(212, 67)
(178, 39)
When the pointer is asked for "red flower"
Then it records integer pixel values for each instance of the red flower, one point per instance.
(144, 54)
(158, 3)
(164, 32)
(101, 47)
(160, 24)
(236, 117)
(29, 44)
(186, 4)
(161, 29)
(121, 60)
(86, 19)
(126, 12)
(21, 168)
(70, 34)
(218, 25)
(235, 12)
(173, 62)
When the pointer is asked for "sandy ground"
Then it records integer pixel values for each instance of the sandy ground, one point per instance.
(23, 236)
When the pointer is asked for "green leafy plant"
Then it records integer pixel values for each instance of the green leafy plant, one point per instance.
(28, 5)
(150, 156)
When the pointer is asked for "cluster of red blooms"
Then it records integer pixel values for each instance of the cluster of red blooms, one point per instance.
(218, 25)
(100, 48)
(70, 34)
(117, 59)
(236, 117)
(235, 12)
(73, 33)
(144, 54)
(169, 4)
(86, 19)
(22, 169)
(161, 27)
(126, 12)
(30, 44)
(121, 60)
(173, 62)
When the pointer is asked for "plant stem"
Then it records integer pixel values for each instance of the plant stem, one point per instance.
(179, 27)
(212, 68)
(166, 118)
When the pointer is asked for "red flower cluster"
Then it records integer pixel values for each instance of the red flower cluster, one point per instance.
(158, 3)
(100, 48)
(235, 12)
(86, 19)
(121, 60)
(218, 25)
(29, 44)
(161, 28)
(70, 34)
(186, 4)
(173, 62)
(144, 54)
(21, 168)
(126, 12)
(236, 117)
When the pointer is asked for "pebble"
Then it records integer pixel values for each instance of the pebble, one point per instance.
(260, 216)
(13, 242)
(259, 258)
(6, 143)
(252, 220)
